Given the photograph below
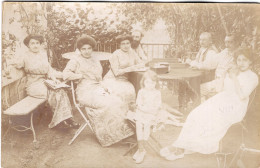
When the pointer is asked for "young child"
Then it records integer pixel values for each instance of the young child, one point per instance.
(148, 112)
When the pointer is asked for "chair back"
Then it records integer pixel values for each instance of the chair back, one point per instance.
(251, 99)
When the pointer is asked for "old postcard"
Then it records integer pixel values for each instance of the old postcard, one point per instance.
(140, 85)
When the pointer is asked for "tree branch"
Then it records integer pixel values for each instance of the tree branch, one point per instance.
(222, 19)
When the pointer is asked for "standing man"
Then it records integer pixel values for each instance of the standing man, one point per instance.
(225, 61)
(137, 37)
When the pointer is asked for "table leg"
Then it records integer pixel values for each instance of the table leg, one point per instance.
(189, 89)
(182, 95)
(195, 96)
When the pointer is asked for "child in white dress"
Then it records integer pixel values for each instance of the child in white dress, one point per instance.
(149, 112)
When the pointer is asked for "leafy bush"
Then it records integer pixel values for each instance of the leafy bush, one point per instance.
(185, 22)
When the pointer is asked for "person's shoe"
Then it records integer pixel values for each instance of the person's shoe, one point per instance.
(173, 156)
(140, 158)
(72, 123)
(164, 152)
(63, 125)
(137, 153)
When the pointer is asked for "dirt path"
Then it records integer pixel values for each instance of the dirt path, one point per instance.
(54, 151)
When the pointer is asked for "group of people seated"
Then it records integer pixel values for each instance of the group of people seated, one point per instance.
(229, 94)
(109, 99)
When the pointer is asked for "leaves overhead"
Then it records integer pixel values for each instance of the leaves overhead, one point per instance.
(185, 22)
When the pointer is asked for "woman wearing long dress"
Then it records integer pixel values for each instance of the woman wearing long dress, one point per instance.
(105, 110)
(123, 61)
(37, 68)
(207, 124)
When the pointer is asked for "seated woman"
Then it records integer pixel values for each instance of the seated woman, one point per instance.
(124, 60)
(105, 110)
(207, 124)
(37, 69)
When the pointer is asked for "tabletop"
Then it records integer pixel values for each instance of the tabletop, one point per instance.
(182, 71)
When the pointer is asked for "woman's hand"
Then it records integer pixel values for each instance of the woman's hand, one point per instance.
(55, 79)
(108, 90)
(136, 67)
(129, 69)
(233, 72)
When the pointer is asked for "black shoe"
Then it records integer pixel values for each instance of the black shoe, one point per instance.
(63, 125)
(72, 123)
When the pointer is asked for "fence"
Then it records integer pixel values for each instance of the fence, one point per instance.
(151, 50)
(159, 50)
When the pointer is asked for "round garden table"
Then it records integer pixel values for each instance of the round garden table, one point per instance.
(187, 80)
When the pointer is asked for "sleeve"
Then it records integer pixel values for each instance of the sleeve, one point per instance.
(137, 58)
(224, 63)
(19, 62)
(248, 85)
(197, 56)
(114, 63)
(69, 71)
(51, 72)
(54, 73)
(139, 99)
(210, 62)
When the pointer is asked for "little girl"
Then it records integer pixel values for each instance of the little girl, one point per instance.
(148, 112)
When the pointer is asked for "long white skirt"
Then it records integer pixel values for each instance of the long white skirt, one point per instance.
(207, 124)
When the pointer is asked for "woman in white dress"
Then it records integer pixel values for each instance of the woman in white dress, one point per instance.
(207, 124)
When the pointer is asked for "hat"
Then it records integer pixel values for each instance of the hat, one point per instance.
(33, 36)
(248, 53)
(123, 37)
(85, 39)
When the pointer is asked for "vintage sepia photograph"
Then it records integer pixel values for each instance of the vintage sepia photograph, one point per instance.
(130, 85)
